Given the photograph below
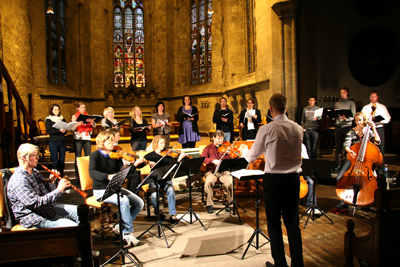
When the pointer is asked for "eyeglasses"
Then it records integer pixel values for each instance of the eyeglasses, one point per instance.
(34, 155)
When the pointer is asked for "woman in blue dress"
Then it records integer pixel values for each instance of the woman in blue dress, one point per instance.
(188, 116)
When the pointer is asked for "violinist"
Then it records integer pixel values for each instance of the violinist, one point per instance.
(354, 136)
(212, 159)
(154, 157)
(101, 169)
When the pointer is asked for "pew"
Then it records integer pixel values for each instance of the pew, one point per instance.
(380, 246)
(49, 247)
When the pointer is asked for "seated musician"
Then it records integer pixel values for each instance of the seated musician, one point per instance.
(212, 159)
(354, 136)
(155, 156)
(101, 169)
(33, 200)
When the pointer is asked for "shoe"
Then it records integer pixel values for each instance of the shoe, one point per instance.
(131, 240)
(210, 209)
(268, 264)
(342, 206)
(228, 209)
(173, 218)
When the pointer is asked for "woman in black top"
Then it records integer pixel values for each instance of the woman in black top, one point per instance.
(57, 145)
(249, 120)
(101, 169)
(158, 146)
(137, 129)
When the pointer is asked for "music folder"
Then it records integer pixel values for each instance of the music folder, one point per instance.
(111, 124)
(334, 113)
(83, 117)
(378, 118)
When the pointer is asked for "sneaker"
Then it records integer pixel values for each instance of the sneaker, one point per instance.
(131, 240)
(210, 209)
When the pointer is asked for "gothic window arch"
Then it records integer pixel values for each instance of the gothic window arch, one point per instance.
(128, 43)
(201, 40)
(55, 43)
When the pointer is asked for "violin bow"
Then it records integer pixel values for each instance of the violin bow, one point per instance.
(169, 151)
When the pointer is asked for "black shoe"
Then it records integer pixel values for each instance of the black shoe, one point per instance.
(210, 209)
(173, 218)
(228, 209)
(342, 206)
(268, 264)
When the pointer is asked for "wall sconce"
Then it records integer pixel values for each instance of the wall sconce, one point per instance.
(49, 8)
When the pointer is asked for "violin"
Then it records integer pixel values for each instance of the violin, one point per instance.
(173, 153)
(227, 148)
(127, 155)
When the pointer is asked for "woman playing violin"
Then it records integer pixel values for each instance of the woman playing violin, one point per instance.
(354, 136)
(154, 157)
(101, 169)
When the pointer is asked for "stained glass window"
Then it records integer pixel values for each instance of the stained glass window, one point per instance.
(128, 49)
(55, 43)
(201, 20)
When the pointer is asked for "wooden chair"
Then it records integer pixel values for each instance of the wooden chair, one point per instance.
(219, 191)
(42, 127)
(87, 184)
(380, 246)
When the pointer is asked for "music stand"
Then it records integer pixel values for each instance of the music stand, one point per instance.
(188, 168)
(114, 187)
(315, 168)
(254, 175)
(155, 176)
(232, 165)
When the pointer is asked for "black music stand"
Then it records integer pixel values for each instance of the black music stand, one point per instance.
(315, 168)
(155, 176)
(188, 168)
(114, 187)
(258, 230)
(232, 165)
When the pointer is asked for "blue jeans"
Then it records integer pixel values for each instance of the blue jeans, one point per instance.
(66, 216)
(57, 153)
(227, 136)
(131, 205)
(310, 141)
(310, 184)
(169, 188)
(136, 146)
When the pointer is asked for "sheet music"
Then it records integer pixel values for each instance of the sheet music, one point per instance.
(63, 125)
(243, 172)
(160, 122)
(314, 113)
(250, 113)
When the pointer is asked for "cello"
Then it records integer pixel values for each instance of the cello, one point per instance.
(358, 184)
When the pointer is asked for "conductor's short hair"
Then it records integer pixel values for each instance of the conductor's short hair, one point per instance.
(278, 102)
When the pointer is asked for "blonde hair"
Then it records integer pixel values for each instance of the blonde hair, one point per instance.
(26, 149)
(105, 111)
(133, 116)
(156, 140)
(361, 114)
(102, 137)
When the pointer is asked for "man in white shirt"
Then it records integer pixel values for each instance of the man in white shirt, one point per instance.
(382, 111)
(280, 142)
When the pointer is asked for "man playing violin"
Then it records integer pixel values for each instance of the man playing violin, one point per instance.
(102, 168)
(212, 159)
(33, 200)
(156, 156)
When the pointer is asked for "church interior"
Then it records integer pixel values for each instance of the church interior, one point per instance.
(126, 53)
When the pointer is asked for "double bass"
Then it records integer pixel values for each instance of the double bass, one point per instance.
(358, 184)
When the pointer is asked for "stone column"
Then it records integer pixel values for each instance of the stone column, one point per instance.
(287, 12)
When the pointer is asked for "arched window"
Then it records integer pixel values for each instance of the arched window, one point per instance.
(129, 56)
(201, 20)
(55, 42)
